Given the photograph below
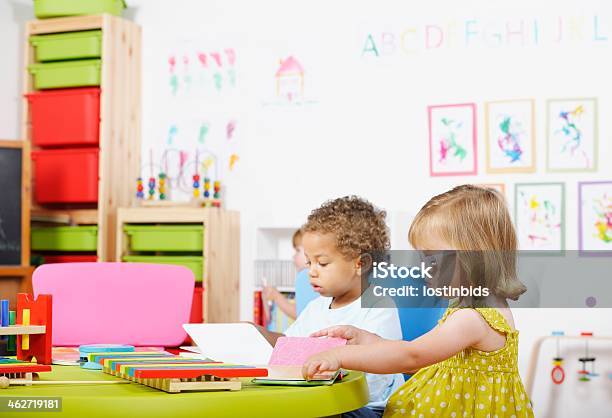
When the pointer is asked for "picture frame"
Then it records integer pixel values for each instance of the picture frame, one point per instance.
(452, 140)
(539, 215)
(572, 135)
(595, 218)
(510, 136)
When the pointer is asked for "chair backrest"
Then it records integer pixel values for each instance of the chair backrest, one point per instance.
(304, 293)
(418, 321)
(117, 303)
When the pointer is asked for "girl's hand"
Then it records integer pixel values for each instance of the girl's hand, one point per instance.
(322, 364)
(352, 335)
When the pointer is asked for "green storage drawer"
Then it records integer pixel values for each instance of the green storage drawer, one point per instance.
(195, 264)
(68, 46)
(78, 73)
(55, 8)
(65, 238)
(165, 237)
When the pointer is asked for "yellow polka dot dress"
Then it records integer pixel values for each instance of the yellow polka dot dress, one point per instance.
(472, 383)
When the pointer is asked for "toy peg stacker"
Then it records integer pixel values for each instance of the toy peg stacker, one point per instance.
(585, 376)
(558, 374)
(33, 328)
(173, 374)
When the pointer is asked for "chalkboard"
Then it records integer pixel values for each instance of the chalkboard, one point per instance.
(10, 205)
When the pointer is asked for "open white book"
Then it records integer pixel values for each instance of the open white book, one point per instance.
(242, 343)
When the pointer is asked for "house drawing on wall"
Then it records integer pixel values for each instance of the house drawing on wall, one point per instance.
(290, 79)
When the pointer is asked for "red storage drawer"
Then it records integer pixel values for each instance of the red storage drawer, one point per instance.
(197, 314)
(66, 175)
(68, 117)
(70, 258)
(197, 311)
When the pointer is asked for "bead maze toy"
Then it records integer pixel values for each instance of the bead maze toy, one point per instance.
(557, 374)
(139, 189)
(173, 374)
(585, 376)
(196, 186)
(162, 186)
(183, 175)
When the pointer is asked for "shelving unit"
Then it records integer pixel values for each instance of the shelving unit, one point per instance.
(274, 252)
(219, 250)
(119, 127)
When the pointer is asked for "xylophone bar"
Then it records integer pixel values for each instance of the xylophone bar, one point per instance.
(191, 372)
(176, 374)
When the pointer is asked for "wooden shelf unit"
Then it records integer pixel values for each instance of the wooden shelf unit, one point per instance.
(221, 252)
(119, 157)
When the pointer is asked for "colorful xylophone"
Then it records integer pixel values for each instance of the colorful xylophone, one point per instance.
(170, 373)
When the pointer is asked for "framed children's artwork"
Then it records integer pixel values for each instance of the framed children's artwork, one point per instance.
(540, 216)
(572, 135)
(500, 187)
(510, 136)
(595, 218)
(452, 139)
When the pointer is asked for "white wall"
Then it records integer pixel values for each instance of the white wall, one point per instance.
(365, 132)
(13, 14)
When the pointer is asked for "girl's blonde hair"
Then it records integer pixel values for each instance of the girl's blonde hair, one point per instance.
(475, 221)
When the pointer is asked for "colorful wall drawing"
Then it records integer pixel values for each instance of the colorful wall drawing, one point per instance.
(540, 216)
(452, 139)
(193, 71)
(290, 79)
(595, 217)
(292, 82)
(572, 135)
(510, 136)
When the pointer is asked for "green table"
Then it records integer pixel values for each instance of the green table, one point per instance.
(135, 400)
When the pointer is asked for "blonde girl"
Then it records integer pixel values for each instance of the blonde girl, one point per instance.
(467, 365)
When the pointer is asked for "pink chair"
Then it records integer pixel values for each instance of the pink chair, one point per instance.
(117, 303)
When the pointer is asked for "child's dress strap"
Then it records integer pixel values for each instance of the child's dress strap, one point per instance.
(495, 319)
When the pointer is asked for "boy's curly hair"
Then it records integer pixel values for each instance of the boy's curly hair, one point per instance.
(359, 227)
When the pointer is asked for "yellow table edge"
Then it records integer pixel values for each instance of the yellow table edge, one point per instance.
(134, 400)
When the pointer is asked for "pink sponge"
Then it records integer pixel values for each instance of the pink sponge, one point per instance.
(294, 351)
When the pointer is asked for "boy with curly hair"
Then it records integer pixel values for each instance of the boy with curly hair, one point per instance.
(337, 238)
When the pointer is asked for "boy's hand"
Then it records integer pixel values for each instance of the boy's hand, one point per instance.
(322, 364)
(352, 335)
(270, 293)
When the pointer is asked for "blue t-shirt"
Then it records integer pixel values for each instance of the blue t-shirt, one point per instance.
(304, 292)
